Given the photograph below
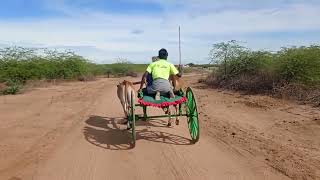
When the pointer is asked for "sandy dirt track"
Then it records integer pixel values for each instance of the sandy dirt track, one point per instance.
(73, 131)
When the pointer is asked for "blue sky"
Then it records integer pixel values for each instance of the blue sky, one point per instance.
(104, 30)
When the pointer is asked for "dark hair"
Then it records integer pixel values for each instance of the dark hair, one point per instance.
(163, 54)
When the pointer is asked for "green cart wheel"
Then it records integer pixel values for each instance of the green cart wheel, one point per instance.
(132, 121)
(192, 115)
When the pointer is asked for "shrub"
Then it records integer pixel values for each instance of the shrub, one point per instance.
(13, 87)
(293, 72)
(301, 65)
(17, 65)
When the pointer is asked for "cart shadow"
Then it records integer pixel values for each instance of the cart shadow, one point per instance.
(109, 133)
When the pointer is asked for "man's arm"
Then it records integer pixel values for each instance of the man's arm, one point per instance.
(143, 80)
(145, 75)
(174, 71)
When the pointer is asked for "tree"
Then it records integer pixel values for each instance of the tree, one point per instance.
(224, 51)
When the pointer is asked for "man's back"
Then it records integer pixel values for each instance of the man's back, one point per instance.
(162, 69)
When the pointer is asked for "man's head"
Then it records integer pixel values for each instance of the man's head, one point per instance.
(163, 54)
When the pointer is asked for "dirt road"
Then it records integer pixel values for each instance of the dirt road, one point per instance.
(73, 131)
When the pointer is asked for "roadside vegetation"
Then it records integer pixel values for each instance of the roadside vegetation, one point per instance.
(291, 72)
(19, 65)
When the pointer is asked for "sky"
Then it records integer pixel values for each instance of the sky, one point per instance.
(106, 30)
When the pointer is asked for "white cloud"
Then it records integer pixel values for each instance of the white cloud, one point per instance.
(101, 36)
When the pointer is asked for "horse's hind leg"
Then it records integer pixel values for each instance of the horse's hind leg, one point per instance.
(167, 111)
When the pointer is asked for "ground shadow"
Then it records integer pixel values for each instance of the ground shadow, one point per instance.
(153, 123)
(109, 133)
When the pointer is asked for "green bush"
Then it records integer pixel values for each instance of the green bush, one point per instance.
(245, 69)
(17, 65)
(301, 65)
(13, 87)
(249, 63)
(23, 66)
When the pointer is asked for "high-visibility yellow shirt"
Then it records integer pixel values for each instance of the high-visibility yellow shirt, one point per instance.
(162, 69)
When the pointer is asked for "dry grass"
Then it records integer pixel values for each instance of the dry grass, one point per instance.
(298, 92)
(265, 84)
